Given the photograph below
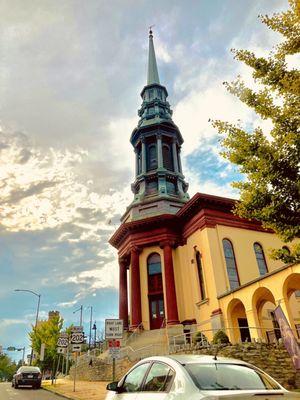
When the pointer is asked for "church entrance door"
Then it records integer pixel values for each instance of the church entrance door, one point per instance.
(157, 311)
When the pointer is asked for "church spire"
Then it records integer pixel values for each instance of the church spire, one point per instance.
(152, 77)
(159, 186)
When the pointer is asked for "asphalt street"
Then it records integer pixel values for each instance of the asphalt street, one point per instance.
(9, 393)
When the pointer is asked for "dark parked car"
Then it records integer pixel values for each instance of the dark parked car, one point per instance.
(27, 376)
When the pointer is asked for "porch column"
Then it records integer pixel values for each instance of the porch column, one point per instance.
(254, 326)
(136, 310)
(159, 151)
(123, 294)
(143, 155)
(172, 312)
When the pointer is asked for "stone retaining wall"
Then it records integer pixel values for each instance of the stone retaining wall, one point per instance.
(100, 370)
(272, 358)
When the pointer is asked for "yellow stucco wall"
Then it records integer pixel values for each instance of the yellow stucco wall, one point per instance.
(209, 242)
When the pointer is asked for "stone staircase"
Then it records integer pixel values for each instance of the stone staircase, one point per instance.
(141, 343)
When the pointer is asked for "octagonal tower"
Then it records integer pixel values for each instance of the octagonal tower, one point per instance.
(159, 186)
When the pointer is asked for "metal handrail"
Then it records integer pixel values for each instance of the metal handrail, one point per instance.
(133, 333)
(191, 333)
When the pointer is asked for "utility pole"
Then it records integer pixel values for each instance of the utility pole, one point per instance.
(90, 335)
(79, 309)
(37, 313)
(95, 332)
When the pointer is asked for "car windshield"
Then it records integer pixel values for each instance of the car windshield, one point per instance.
(217, 376)
(29, 369)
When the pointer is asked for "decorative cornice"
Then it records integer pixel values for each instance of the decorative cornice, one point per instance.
(202, 211)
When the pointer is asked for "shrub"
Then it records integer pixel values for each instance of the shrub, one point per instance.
(199, 337)
(220, 337)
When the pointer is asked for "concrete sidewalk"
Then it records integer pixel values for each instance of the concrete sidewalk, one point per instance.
(84, 390)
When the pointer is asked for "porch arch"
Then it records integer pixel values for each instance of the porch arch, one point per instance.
(237, 321)
(290, 286)
(263, 304)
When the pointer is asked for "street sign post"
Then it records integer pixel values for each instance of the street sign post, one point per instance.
(113, 329)
(77, 339)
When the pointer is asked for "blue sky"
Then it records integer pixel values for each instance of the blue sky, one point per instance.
(71, 73)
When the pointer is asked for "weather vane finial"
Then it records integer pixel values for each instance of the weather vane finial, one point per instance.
(150, 30)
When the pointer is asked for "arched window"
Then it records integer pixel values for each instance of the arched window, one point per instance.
(260, 258)
(200, 275)
(152, 157)
(154, 273)
(167, 157)
(232, 272)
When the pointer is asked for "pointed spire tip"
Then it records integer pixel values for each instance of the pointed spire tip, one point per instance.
(152, 66)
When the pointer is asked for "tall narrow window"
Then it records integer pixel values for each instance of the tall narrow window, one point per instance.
(152, 157)
(154, 273)
(200, 275)
(167, 157)
(232, 272)
(260, 258)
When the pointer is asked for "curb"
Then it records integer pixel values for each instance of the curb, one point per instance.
(58, 394)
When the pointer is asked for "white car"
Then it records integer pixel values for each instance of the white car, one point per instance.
(192, 377)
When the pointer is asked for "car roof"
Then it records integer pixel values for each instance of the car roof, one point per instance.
(202, 359)
(29, 367)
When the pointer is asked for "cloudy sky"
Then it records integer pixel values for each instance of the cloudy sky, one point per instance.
(70, 77)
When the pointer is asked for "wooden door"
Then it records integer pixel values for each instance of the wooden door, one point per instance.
(157, 311)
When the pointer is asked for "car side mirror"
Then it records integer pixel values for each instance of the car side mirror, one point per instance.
(113, 386)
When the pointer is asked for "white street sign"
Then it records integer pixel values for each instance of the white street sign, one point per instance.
(114, 352)
(62, 341)
(113, 329)
(77, 329)
(61, 350)
(76, 348)
(77, 338)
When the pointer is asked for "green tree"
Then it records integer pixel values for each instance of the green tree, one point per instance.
(46, 332)
(271, 192)
(7, 367)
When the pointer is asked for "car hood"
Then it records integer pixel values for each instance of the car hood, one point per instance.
(250, 395)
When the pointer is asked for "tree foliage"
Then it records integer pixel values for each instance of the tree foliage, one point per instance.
(46, 332)
(7, 367)
(271, 193)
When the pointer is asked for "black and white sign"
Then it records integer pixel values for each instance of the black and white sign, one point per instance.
(61, 350)
(77, 335)
(77, 338)
(63, 341)
(76, 348)
(113, 329)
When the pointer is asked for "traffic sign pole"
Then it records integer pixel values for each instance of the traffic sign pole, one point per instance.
(75, 370)
(114, 369)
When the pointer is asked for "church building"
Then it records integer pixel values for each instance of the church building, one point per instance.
(190, 263)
